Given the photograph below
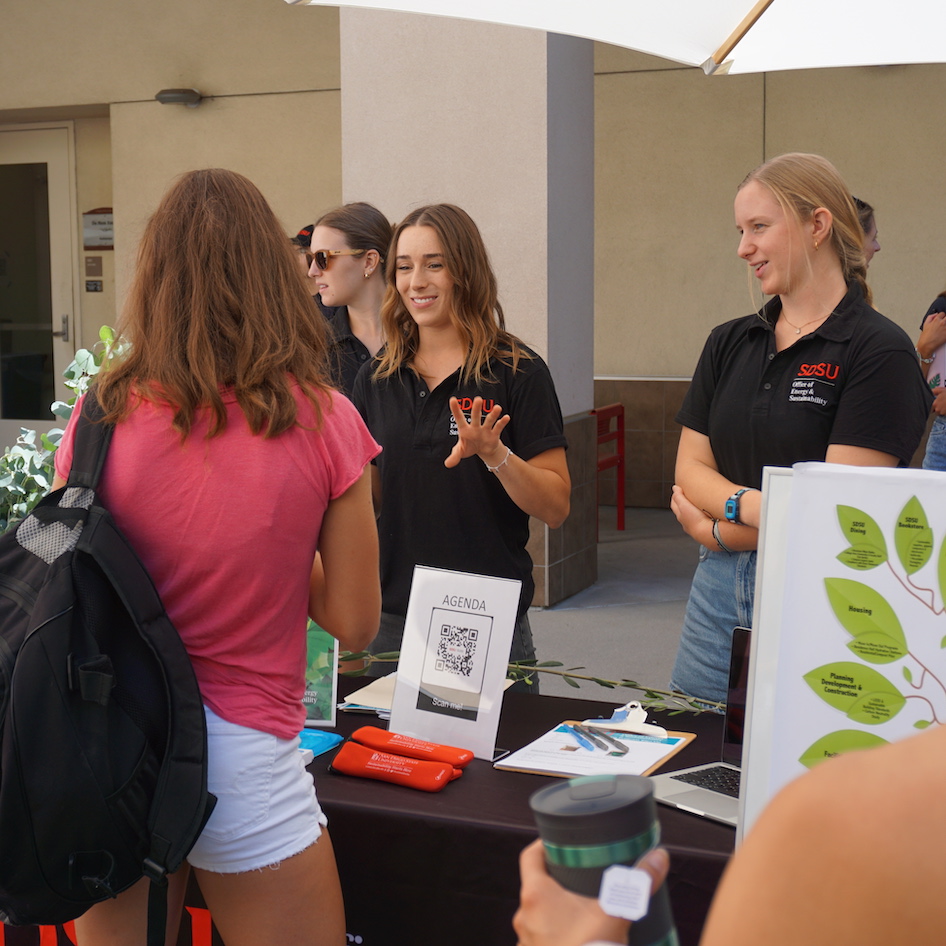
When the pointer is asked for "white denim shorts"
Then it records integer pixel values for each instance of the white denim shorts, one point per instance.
(266, 806)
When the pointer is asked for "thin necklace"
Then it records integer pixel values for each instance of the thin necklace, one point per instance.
(797, 328)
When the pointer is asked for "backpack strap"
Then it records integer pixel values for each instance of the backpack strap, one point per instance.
(91, 443)
(157, 912)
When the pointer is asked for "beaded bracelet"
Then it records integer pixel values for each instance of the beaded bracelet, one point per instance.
(723, 547)
(499, 466)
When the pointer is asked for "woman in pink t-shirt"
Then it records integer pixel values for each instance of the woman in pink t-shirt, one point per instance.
(239, 476)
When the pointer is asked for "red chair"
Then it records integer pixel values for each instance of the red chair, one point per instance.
(611, 428)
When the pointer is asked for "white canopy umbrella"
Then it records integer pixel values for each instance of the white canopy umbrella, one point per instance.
(724, 36)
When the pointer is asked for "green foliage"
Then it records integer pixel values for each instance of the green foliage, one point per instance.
(525, 670)
(26, 474)
(26, 468)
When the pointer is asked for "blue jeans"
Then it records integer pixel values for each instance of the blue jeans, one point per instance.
(935, 456)
(720, 599)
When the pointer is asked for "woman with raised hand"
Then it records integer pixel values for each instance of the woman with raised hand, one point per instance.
(814, 374)
(240, 477)
(468, 418)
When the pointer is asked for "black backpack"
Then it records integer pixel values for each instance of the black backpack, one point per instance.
(103, 744)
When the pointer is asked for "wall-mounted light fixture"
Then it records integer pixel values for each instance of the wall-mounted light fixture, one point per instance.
(189, 97)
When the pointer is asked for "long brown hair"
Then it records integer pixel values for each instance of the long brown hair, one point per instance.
(803, 182)
(364, 226)
(476, 312)
(218, 301)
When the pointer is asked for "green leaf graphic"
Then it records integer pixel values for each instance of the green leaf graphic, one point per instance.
(868, 618)
(907, 675)
(922, 724)
(860, 692)
(876, 648)
(913, 538)
(868, 548)
(872, 709)
(837, 742)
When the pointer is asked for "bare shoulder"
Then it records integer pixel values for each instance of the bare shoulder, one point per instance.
(850, 852)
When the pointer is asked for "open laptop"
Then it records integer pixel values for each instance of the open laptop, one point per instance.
(712, 789)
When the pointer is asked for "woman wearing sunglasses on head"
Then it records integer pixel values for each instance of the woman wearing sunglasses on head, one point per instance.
(346, 269)
(468, 419)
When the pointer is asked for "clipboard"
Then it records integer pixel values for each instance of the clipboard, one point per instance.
(559, 753)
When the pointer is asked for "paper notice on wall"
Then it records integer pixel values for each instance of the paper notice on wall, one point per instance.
(98, 230)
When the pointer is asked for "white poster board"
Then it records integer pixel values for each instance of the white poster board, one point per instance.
(850, 623)
(454, 656)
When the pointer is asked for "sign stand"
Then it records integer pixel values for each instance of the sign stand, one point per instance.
(454, 656)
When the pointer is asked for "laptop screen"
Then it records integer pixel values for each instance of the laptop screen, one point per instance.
(737, 696)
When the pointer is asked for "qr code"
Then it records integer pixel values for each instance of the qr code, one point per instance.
(456, 649)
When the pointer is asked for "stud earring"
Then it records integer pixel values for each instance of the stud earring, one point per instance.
(816, 244)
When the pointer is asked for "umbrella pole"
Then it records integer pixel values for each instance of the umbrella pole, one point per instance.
(748, 21)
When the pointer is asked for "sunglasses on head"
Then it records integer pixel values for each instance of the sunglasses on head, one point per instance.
(323, 258)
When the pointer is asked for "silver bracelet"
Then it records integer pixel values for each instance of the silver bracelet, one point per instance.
(925, 361)
(505, 460)
(723, 547)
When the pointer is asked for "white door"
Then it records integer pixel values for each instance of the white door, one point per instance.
(38, 249)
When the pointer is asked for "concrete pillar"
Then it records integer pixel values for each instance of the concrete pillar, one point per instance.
(499, 120)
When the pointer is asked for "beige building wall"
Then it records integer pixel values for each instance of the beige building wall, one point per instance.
(443, 110)
(93, 147)
(271, 74)
(288, 145)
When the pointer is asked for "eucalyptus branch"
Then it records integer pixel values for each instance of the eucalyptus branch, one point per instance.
(653, 698)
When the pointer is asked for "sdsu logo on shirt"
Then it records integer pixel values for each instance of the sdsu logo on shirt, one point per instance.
(466, 405)
(809, 383)
(822, 370)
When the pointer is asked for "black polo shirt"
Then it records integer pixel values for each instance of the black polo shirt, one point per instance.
(854, 381)
(348, 353)
(460, 519)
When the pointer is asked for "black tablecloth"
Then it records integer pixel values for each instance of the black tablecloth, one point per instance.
(424, 868)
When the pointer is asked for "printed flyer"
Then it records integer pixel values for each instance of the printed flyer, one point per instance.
(321, 677)
(452, 668)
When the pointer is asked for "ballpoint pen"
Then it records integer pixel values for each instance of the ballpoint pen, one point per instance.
(591, 736)
(582, 740)
(619, 747)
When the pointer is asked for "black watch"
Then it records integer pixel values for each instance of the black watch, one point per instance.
(732, 506)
